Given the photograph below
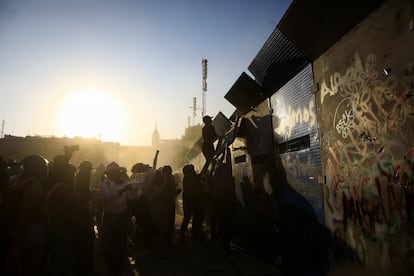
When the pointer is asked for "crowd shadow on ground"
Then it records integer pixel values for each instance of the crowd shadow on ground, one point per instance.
(205, 257)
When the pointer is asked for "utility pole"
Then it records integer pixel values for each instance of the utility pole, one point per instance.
(2, 129)
(204, 66)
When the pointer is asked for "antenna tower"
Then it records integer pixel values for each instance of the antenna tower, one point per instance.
(204, 66)
(194, 109)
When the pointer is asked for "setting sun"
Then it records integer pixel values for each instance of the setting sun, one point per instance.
(92, 113)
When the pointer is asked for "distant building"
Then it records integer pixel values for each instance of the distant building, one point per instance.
(155, 137)
(171, 151)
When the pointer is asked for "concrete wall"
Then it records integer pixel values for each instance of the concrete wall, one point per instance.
(366, 120)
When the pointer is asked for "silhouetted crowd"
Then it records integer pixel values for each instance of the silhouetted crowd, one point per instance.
(52, 213)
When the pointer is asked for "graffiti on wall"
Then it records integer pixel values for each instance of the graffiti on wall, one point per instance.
(302, 172)
(301, 116)
(295, 116)
(299, 168)
(369, 155)
(295, 130)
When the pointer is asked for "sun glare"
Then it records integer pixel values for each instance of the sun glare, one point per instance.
(92, 113)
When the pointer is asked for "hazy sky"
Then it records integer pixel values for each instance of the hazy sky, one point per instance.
(115, 68)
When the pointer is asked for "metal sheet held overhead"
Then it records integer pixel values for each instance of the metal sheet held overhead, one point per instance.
(277, 62)
(314, 26)
(245, 94)
(221, 124)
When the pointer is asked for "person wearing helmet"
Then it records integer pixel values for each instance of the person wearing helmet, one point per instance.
(115, 218)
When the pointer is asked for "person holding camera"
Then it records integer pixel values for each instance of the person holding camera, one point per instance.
(115, 218)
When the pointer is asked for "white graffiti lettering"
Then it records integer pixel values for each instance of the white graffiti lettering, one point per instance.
(345, 124)
(300, 116)
(337, 82)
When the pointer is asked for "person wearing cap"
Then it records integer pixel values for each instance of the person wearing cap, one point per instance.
(115, 218)
(209, 136)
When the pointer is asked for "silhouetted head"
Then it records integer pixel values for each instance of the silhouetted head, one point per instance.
(35, 166)
(140, 167)
(207, 119)
(113, 171)
(188, 169)
(85, 166)
(167, 170)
